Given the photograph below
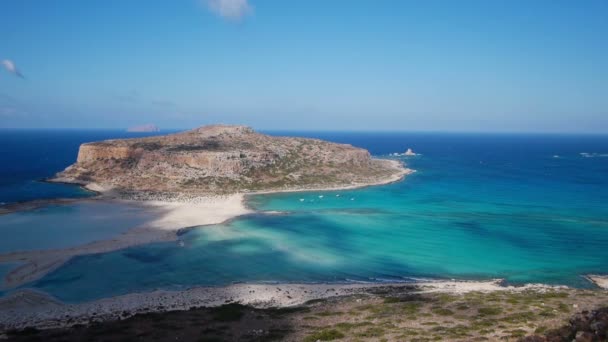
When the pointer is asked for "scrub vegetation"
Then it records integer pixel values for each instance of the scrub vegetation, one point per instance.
(391, 315)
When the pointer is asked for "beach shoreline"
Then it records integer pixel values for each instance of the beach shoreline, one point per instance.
(31, 308)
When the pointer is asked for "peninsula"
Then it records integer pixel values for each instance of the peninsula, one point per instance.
(195, 178)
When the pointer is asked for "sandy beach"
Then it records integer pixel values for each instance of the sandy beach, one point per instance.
(27, 308)
(599, 280)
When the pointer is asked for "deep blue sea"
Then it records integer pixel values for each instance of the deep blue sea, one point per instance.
(527, 208)
(29, 156)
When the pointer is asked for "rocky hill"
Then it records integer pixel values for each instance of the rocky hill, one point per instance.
(224, 159)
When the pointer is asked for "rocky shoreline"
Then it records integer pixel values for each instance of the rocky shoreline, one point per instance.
(29, 308)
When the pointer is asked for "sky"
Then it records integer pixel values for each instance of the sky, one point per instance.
(394, 65)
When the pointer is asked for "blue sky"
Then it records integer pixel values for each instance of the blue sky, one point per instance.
(335, 65)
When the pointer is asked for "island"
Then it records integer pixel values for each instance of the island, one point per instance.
(222, 159)
(143, 128)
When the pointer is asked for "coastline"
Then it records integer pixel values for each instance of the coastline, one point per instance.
(400, 174)
(175, 216)
(25, 308)
(30, 308)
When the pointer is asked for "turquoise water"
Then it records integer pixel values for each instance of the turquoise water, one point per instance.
(527, 208)
(61, 226)
(506, 208)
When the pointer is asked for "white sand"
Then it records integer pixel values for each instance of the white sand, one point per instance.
(599, 280)
(31, 308)
(166, 220)
(203, 211)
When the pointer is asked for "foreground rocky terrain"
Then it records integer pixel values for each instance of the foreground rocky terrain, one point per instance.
(224, 159)
(402, 313)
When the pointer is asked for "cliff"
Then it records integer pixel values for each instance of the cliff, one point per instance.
(224, 159)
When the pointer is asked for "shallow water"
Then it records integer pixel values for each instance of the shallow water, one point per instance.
(61, 226)
(480, 206)
(5, 268)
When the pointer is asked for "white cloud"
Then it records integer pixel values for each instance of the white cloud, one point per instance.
(11, 67)
(230, 9)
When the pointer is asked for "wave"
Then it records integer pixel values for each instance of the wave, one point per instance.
(593, 155)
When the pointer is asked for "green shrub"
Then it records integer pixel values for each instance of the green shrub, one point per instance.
(229, 312)
(324, 335)
(489, 311)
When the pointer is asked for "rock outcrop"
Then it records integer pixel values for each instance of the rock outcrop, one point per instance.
(224, 159)
(586, 326)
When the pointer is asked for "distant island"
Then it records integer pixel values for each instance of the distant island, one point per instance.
(222, 159)
(144, 128)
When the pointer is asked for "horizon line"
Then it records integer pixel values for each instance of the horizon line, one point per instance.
(173, 130)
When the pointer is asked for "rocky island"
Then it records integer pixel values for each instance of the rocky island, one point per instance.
(223, 159)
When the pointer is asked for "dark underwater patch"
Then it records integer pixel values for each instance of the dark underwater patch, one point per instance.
(149, 256)
(52, 281)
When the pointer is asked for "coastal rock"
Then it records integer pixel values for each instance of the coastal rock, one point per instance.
(584, 326)
(224, 159)
(409, 152)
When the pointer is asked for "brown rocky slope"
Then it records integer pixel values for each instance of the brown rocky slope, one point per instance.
(224, 159)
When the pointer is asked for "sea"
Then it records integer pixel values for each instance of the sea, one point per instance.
(526, 208)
